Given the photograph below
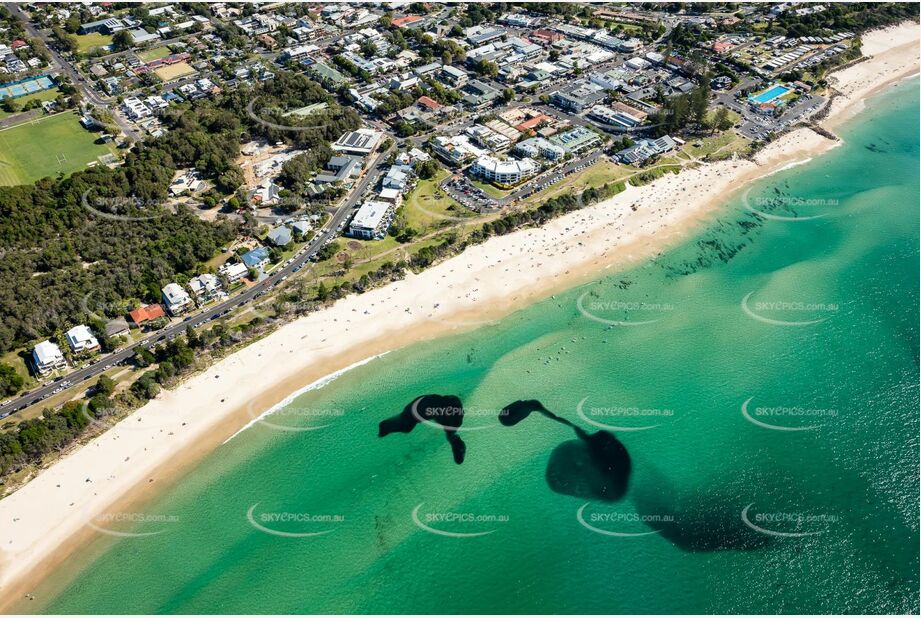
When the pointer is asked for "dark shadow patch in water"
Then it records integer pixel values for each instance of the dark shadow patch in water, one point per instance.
(698, 520)
(445, 410)
(596, 466)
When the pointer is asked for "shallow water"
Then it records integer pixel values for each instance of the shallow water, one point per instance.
(763, 379)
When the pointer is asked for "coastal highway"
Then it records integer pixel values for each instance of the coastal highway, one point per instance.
(327, 233)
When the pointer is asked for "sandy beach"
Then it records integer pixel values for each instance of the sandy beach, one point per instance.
(47, 519)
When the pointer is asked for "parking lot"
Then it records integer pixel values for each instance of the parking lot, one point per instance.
(757, 126)
(461, 189)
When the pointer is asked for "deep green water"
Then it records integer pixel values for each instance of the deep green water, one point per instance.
(842, 491)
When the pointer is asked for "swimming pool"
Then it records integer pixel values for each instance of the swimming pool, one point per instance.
(770, 94)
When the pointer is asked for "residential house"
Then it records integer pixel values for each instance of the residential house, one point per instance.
(205, 287)
(176, 299)
(146, 314)
(81, 339)
(397, 177)
(47, 357)
(257, 258)
(233, 271)
(280, 236)
(116, 327)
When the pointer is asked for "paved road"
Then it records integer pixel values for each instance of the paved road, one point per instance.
(327, 233)
(65, 67)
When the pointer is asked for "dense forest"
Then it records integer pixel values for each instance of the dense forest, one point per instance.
(58, 252)
(837, 17)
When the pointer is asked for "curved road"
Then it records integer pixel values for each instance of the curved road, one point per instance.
(75, 78)
(327, 233)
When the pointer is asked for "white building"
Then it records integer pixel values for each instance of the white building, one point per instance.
(506, 172)
(234, 272)
(372, 220)
(205, 287)
(538, 146)
(489, 138)
(360, 142)
(622, 115)
(135, 108)
(456, 149)
(637, 64)
(176, 299)
(47, 357)
(80, 339)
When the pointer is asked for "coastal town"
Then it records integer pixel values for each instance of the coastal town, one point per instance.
(323, 150)
(267, 269)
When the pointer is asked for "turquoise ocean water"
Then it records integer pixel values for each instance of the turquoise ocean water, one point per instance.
(762, 377)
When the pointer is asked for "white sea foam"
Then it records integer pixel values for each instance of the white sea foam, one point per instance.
(310, 387)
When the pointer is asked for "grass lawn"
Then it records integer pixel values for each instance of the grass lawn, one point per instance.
(87, 42)
(14, 360)
(154, 54)
(44, 95)
(725, 142)
(361, 250)
(599, 174)
(491, 189)
(625, 28)
(218, 260)
(426, 205)
(45, 147)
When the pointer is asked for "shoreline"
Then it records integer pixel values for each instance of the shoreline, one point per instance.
(45, 521)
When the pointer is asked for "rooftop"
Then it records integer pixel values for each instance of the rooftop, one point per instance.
(144, 314)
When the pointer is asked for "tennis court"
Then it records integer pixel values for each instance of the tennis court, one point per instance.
(25, 86)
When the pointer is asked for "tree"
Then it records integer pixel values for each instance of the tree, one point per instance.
(426, 169)
(487, 68)
(507, 95)
(722, 122)
(10, 381)
(699, 102)
(105, 385)
(122, 40)
(68, 41)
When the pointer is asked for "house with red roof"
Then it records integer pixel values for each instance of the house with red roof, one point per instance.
(402, 22)
(146, 314)
(429, 104)
(532, 123)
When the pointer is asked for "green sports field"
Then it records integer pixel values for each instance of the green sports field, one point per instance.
(45, 147)
(88, 42)
(154, 54)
